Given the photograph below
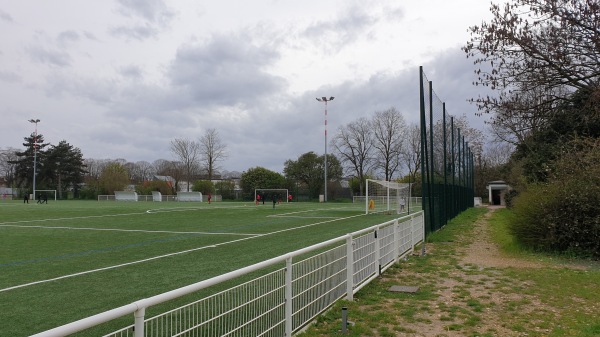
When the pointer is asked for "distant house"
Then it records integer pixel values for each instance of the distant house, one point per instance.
(163, 178)
(496, 192)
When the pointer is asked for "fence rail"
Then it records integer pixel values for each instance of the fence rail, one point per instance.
(281, 301)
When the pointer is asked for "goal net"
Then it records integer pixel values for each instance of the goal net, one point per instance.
(50, 194)
(386, 196)
(266, 194)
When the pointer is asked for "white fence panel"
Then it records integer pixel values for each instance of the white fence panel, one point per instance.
(280, 302)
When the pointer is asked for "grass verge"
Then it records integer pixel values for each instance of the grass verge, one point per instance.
(528, 294)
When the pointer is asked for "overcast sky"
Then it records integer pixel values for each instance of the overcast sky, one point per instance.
(122, 78)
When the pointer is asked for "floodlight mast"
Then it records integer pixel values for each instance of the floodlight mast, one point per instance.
(34, 121)
(325, 99)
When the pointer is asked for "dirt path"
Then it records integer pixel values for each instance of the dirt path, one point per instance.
(472, 298)
(468, 287)
(485, 254)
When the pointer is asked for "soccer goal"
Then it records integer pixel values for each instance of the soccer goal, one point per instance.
(266, 194)
(48, 193)
(386, 196)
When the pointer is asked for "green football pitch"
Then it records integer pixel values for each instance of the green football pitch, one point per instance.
(67, 260)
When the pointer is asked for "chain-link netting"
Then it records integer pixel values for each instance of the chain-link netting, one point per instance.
(446, 161)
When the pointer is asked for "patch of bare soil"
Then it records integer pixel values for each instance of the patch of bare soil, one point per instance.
(475, 298)
(485, 254)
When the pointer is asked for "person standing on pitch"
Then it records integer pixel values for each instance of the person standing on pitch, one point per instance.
(258, 198)
(274, 199)
(209, 197)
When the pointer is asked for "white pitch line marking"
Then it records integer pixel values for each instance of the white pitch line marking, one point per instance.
(129, 230)
(121, 265)
(171, 254)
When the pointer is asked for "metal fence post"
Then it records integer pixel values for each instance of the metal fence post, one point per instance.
(138, 327)
(377, 251)
(397, 237)
(349, 268)
(288, 297)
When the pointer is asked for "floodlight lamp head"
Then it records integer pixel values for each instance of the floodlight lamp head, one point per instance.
(331, 98)
(34, 120)
(320, 100)
(324, 98)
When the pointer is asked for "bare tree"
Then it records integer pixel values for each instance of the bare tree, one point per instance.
(8, 157)
(132, 172)
(172, 169)
(389, 134)
(145, 170)
(354, 145)
(546, 44)
(94, 168)
(212, 150)
(188, 152)
(161, 166)
(496, 154)
(410, 154)
(475, 137)
(520, 115)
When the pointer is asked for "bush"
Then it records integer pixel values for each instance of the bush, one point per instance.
(89, 192)
(155, 185)
(563, 215)
(226, 189)
(509, 197)
(204, 186)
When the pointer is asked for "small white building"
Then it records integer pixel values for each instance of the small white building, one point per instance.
(496, 192)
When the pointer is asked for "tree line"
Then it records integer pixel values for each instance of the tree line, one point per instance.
(540, 57)
(62, 168)
(383, 146)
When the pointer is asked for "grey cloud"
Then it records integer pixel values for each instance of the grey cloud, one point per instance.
(335, 34)
(90, 36)
(227, 70)
(102, 92)
(153, 11)
(394, 14)
(137, 32)
(151, 15)
(67, 37)
(9, 77)
(50, 57)
(132, 72)
(5, 16)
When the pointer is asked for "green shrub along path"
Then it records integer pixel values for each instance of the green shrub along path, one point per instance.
(474, 280)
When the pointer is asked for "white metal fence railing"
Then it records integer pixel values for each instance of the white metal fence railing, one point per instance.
(279, 302)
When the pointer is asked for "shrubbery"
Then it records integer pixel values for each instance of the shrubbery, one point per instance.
(89, 192)
(564, 214)
(204, 186)
(156, 185)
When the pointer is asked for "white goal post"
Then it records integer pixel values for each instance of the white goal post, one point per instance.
(47, 192)
(386, 196)
(268, 193)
